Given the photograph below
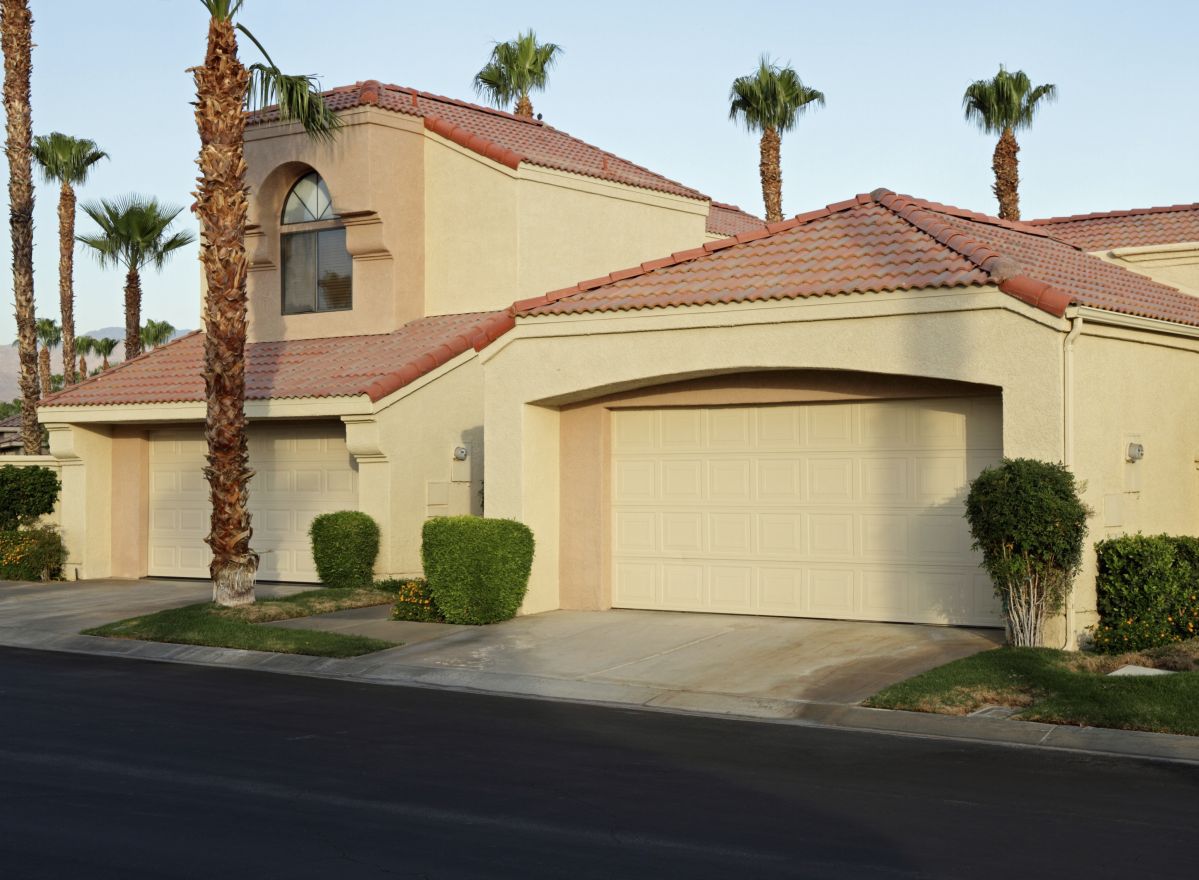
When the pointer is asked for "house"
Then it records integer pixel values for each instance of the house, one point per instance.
(10, 435)
(767, 419)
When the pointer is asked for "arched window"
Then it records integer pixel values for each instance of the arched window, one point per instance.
(317, 268)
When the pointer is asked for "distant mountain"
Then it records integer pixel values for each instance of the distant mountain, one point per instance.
(10, 364)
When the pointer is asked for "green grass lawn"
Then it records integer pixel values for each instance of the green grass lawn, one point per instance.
(209, 624)
(1060, 687)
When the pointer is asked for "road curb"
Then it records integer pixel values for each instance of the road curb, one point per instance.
(368, 670)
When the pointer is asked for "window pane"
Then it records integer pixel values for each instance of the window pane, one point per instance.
(336, 271)
(299, 272)
(308, 200)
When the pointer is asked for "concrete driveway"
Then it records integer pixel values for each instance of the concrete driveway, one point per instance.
(705, 662)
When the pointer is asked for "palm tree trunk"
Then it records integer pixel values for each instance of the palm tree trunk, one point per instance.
(133, 313)
(221, 209)
(16, 37)
(43, 370)
(82, 368)
(103, 362)
(1006, 166)
(772, 175)
(524, 107)
(66, 281)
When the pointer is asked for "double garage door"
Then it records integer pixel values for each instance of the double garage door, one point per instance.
(836, 510)
(300, 470)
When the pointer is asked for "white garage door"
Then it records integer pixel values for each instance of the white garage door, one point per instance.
(300, 470)
(838, 510)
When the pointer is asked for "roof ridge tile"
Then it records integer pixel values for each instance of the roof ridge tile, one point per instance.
(1111, 215)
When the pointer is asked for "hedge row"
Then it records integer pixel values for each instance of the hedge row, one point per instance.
(1148, 592)
(36, 554)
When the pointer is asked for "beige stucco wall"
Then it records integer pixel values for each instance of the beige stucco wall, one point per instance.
(494, 235)
(406, 468)
(942, 335)
(374, 169)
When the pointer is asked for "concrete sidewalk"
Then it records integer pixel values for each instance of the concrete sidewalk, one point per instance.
(781, 669)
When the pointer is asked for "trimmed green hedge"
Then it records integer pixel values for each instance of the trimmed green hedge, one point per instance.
(36, 554)
(1148, 592)
(413, 600)
(26, 495)
(344, 547)
(478, 569)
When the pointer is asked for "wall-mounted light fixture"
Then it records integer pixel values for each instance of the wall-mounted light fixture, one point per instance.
(460, 453)
(1135, 452)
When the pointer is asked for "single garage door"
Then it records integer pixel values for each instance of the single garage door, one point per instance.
(837, 510)
(301, 469)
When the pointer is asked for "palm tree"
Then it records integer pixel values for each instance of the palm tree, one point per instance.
(104, 348)
(224, 89)
(49, 334)
(1004, 105)
(770, 100)
(66, 160)
(16, 41)
(156, 333)
(84, 345)
(133, 234)
(517, 68)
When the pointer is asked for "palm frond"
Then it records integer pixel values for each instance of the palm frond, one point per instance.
(1006, 100)
(298, 96)
(771, 97)
(222, 10)
(133, 231)
(65, 159)
(516, 69)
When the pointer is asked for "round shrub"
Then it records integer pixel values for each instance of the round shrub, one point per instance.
(344, 547)
(478, 569)
(1028, 521)
(26, 495)
(1147, 591)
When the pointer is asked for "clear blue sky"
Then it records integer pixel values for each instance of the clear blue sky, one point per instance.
(649, 81)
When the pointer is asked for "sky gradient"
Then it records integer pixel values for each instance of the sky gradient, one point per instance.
(649, 82)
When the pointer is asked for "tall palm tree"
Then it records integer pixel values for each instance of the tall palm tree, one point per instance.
(224, 89)
(49, 334)
(104, 347)
(156, 333)
(517, 68)
(66, 160)
(16, 42)
(84, 345)
(770, 100)
(1004, 105)
(134, 234)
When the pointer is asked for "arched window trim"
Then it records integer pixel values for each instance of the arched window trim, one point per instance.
(316, 268)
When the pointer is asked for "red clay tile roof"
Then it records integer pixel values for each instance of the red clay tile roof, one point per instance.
(332, 367)
(503, 137)
(729, 220)
(874, 243)
(1173, 224)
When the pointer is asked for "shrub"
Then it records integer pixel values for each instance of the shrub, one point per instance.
(36, 554)
(1147, 591)
(1028, 521)
(478, 569)
(26, 494)
(344, 547)
(413, 600)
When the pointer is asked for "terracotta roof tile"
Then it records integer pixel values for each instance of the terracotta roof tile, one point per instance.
(729, 220)
(1172, 224)
(503, 137)
(874, 243)
(332, 367)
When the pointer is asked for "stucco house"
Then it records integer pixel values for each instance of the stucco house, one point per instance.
(765, 419)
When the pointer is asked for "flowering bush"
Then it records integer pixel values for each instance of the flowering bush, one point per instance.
(1148, 592)
(32, 555)
(413, 600)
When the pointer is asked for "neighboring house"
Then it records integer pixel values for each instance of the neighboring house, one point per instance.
(782, 421)
(10, 435)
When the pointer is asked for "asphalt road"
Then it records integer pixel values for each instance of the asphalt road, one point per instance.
(116, 768)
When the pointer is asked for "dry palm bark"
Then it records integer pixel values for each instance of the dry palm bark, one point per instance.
(221, 86)
(133, 313)
(524, 107)
(771, 170)
(43, 370)
(16, 34)
(1006, 166)
(66, 271)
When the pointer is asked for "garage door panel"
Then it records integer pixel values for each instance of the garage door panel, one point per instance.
(846, 510)
(301, 470)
